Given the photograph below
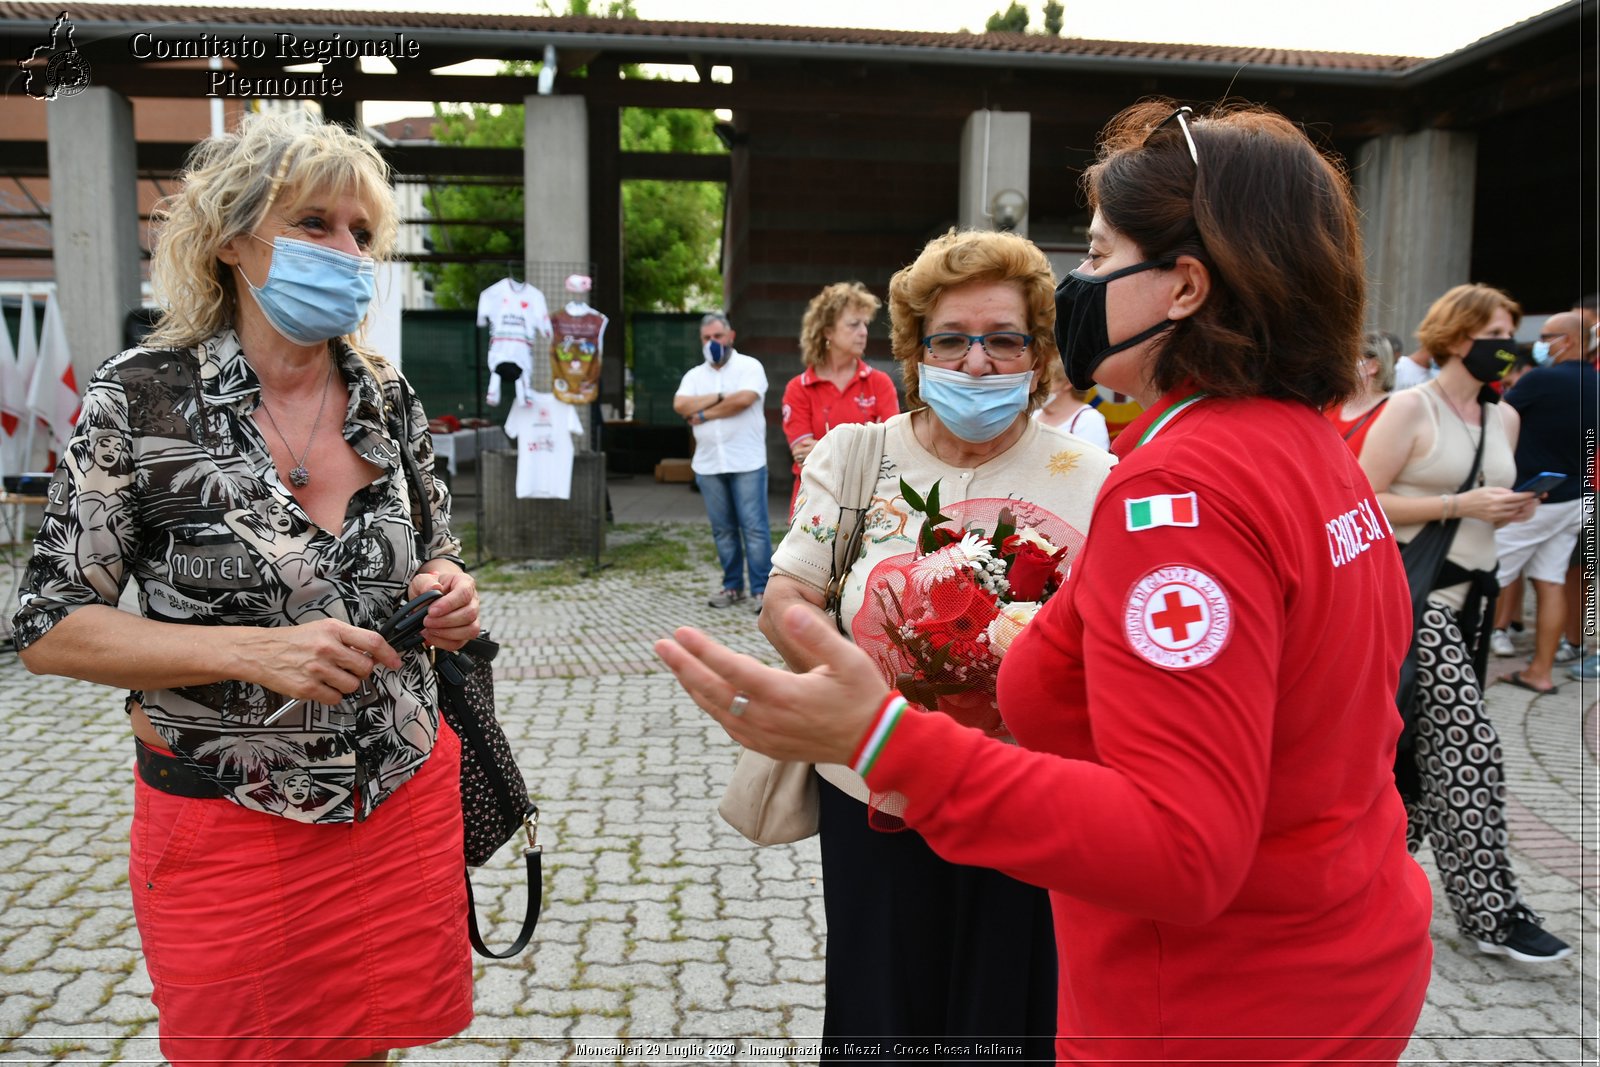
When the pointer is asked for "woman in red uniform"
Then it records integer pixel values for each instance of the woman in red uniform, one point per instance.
(836, 387)
(1203, 776)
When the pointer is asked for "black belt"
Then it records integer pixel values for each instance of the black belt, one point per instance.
(170, 774)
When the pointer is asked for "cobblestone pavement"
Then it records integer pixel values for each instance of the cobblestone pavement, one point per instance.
(666, 938)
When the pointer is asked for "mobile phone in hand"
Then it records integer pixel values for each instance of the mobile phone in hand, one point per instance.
(1542, 482)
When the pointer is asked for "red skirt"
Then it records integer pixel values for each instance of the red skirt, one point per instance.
(272, 941)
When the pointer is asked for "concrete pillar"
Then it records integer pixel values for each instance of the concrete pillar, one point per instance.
(555, 169)
(556, 207)
(555, 203)
(1416, 192)
(994, 170)
(94, 221)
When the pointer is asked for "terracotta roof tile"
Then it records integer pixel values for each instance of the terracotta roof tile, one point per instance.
(88, 14)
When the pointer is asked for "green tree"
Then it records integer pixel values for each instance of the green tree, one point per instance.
(613, 9)
(671, 230)
(1015, 20)
(1054, 17)
(457, 285)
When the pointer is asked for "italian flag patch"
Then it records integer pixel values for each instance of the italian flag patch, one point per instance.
(1175, 510)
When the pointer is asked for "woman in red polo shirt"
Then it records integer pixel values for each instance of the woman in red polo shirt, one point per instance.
(836, 387)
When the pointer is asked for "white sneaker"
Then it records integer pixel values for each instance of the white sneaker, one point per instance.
(1500, 644)
(1567, 652)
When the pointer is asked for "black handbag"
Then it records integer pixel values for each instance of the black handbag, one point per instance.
(494, 799)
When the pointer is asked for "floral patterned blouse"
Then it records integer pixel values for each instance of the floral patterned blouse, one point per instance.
(168, 481)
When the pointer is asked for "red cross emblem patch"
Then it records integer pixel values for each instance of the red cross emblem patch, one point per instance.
(1177, 617)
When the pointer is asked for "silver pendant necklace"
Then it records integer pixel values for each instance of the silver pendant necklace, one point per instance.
(299, 477)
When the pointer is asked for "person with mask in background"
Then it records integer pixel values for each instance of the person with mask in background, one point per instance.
(721, 400)
(918, 946)
(1558, 431)
(1417, 456)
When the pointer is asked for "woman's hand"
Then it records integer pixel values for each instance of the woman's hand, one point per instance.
(802, 448)
(452, 620)
(1495, 504)
(817, 717)
(322, 661)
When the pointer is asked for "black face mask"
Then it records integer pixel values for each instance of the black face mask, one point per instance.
(1081, 321)
(1490, 358)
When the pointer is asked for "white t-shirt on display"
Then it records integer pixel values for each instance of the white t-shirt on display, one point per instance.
(518, 320)
(543, 430)
(737, 444)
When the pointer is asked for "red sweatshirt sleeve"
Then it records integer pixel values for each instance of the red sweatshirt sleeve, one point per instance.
(1162, 818)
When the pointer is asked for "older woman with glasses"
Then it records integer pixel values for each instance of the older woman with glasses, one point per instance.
(1354, 415)
(1203, 775)
(918, 946)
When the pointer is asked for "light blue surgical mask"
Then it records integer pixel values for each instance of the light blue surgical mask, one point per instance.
(1541, 352)
(314, 293)
(974, 409)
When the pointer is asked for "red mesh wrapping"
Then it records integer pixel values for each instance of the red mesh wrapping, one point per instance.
(924, 622)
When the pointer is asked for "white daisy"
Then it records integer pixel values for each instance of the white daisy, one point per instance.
(970, 553)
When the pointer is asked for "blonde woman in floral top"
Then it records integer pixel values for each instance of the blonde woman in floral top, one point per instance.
(295, 855)
(918, 946)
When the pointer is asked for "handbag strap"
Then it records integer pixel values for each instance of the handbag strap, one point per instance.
(532, 855)
(1486, 396)
(421, 516)
(530, 918)
(862, 458)
(1363, 420)
(484, 649)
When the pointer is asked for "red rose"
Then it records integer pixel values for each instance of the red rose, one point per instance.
(943, 535)
(1031, 568)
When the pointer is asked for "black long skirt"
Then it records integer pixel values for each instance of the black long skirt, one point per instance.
(929, 960)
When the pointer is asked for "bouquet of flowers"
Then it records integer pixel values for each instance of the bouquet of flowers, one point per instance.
(939, 621)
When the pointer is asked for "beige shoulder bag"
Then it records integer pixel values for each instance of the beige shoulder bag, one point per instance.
(774, 802)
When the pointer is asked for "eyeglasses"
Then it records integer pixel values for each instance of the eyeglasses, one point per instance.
(1182, 115)
(1001, 346)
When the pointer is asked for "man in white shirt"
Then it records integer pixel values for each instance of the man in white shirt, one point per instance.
(1413, 369)
(721, 399)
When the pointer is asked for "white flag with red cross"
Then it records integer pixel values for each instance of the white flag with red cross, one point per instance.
(53, 394)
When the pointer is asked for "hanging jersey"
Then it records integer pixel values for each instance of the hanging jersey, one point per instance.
(517, 317)
(577, 336)
(543, 432)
